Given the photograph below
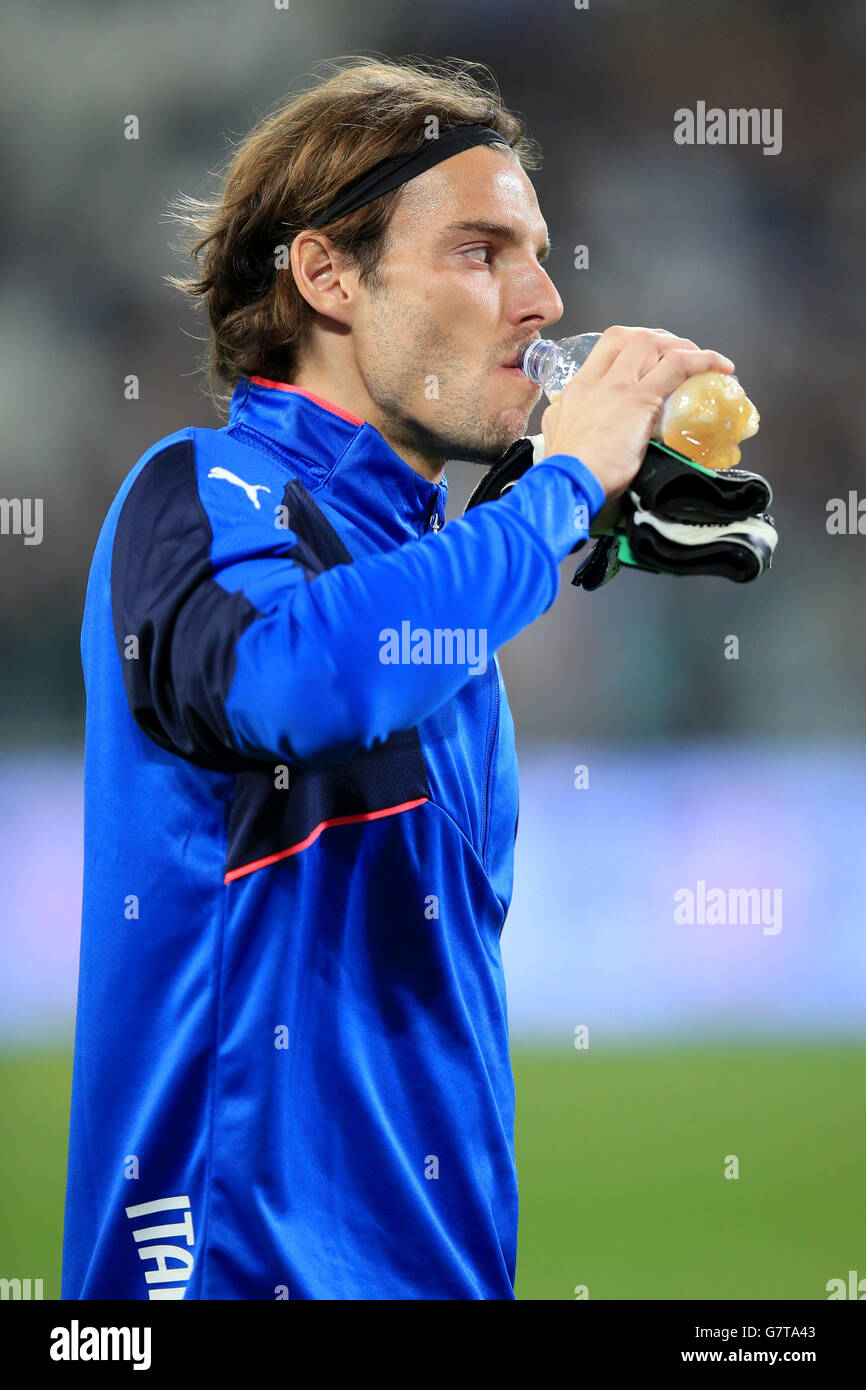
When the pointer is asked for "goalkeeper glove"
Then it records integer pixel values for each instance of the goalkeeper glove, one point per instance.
(676, 517)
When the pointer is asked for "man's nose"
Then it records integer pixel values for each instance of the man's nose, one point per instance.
(540, 301)
(553, 300)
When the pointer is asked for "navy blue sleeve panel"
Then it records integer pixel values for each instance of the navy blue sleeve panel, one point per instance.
(311, 673)
(251, 649)
(175, 627)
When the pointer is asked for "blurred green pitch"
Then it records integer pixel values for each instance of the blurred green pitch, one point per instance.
(620, 1156)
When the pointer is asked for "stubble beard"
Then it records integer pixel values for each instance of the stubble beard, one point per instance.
(454, 430)
(478, 443)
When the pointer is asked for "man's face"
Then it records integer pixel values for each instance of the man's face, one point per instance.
(462, 290)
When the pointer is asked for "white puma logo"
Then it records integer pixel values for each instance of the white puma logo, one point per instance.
(251, 489)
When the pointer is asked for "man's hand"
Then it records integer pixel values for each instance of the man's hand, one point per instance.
(606, 414)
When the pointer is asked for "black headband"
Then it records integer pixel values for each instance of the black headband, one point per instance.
(390, 173)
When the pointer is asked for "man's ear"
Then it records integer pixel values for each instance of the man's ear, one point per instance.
(323, 276)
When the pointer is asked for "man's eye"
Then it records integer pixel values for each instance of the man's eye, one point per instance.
(478, 251)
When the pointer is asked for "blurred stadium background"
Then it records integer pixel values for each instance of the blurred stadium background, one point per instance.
(704, 1041)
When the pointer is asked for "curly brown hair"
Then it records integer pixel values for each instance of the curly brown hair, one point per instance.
(288, 170)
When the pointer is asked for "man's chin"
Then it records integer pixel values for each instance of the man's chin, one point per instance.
(485, 458)
(469, 450)
(483, 446)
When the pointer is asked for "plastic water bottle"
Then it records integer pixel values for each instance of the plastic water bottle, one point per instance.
(552, 364)
(705, 419)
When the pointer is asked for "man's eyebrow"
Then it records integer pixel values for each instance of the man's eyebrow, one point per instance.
(502, 230)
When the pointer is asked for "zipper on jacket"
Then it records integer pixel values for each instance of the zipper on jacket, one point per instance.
(491, 744)
(433, 522)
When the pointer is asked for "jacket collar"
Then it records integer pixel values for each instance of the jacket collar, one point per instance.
(334, 450)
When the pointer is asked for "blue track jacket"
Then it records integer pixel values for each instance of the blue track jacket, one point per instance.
(292, 1075)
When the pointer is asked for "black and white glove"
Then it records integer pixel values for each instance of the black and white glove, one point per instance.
(676, 517)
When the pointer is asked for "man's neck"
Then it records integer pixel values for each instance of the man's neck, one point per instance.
(349, 393)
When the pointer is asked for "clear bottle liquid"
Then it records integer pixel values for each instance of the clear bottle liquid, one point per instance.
(705, 419)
